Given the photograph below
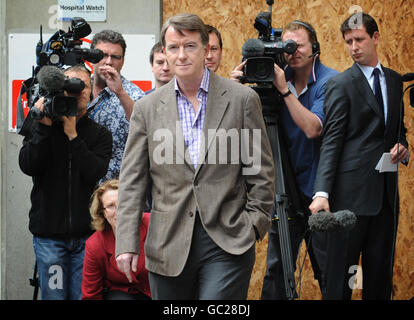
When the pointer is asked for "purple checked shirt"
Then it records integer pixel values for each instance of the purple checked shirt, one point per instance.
(191, 122)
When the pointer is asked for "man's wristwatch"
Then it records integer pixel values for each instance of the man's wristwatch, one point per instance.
(286, 94)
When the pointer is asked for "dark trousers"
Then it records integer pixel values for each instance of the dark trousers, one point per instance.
(273, 282)
(372, 238)
(210, 273)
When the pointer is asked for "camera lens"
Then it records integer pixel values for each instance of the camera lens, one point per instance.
(54, 58)
(260, 69)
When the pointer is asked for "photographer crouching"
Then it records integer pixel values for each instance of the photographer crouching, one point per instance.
(65, 155)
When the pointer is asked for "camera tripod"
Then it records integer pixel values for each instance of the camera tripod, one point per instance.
(279, 211)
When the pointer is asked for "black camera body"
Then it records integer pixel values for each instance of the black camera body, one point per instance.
(64, 48)
(263, 52)
(56, 104)
(48, 80)
(261, 55)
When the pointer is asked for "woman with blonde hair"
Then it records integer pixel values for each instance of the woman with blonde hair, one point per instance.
(101, 277)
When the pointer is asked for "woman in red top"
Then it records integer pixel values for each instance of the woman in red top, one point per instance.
(101, 277)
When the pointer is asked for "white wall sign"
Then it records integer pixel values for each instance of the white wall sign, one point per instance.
(90, 10)
(22, 57)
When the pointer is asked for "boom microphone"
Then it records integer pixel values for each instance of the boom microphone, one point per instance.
(332, 221)
(408, 77)
(51, 78)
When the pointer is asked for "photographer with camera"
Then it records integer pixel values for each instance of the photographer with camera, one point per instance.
(66, 156)
(301, 85)
(113, 95)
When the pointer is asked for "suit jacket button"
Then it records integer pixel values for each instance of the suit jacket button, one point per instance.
(191, 214)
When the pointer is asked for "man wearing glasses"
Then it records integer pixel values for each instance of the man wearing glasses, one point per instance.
(113, 96)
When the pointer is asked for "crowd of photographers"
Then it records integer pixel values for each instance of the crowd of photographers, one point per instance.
(78, 158)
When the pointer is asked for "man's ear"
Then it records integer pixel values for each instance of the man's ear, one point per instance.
(376, 37)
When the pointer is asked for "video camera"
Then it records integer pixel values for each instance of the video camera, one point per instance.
(49, 81)
(64, 48)
(263, 52)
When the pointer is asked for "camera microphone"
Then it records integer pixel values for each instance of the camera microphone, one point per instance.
(51, 78)
(253, 48)
(332, 221)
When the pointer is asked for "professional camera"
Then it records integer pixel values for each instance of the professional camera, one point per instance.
(64, 48)
(52, 86)
(48, 80)
(263, 52)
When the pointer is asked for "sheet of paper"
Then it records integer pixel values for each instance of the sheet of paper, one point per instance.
(385, 164)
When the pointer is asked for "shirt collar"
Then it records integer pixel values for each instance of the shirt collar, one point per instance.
(367, 70)
(205, 82)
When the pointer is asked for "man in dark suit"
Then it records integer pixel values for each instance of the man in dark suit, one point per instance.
(209, 207)
(362, 121)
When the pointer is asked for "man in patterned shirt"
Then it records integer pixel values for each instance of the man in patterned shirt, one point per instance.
(113, 95)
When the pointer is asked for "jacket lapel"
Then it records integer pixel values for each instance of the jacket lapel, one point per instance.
(363, 88)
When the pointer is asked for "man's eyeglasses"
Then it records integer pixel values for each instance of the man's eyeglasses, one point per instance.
(110, 208)
(113, 56)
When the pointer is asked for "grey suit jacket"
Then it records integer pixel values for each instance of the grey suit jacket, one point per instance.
(231, 203)
(355, 137)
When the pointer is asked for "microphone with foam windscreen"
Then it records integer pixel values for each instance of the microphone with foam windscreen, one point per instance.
(332, 221)
(51, 78)
(53, 84)
(253, 48)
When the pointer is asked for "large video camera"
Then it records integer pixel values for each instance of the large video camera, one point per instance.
(52, 86)
(48, 80)
(64, 48)
(263, 52)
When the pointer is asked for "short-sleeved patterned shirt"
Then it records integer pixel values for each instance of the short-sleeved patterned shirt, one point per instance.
(106, 109)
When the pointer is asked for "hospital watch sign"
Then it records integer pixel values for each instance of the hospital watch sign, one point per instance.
(90, 10)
